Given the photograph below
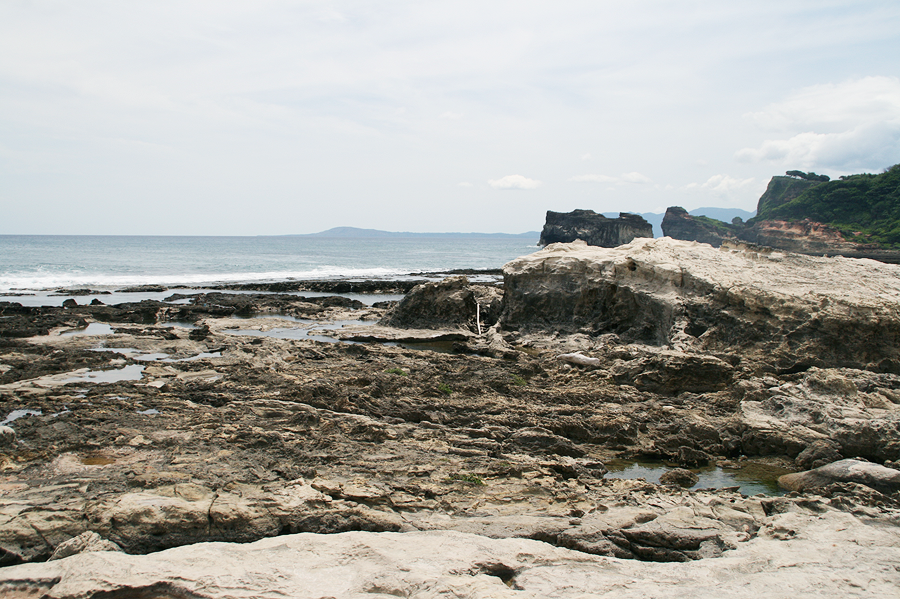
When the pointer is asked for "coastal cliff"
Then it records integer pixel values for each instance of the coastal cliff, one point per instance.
(856, 217)
(593, 229)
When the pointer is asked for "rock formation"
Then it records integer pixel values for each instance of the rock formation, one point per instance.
(481, 469)
(876, 476)
(802, 554)
(779, 226)
(678, 223)
(451, 303)
(593, 228)
(840, 312)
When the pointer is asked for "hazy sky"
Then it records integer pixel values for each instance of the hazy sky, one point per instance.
(221, 117)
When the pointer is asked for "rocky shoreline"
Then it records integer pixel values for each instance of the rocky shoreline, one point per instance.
(333, 424)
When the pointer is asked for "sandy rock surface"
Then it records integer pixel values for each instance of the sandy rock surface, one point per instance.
(296, 419)
(796, 556)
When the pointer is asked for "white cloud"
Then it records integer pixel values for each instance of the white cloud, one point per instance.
(514, 182)
(847, 126)
(464, 184)
(725, 183)
(869, 146)
(725, 188)
(451, 116)
(621, 180)
(586, 156)
(635, 178)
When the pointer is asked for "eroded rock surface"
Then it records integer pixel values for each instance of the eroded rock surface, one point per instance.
(788, 310)
(293, 429)
(798, 553)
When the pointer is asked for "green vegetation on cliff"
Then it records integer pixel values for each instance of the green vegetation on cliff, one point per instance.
(865, 208)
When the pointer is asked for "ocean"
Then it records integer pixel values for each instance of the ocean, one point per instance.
(36, 264)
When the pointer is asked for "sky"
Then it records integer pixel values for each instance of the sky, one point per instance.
(269, 117)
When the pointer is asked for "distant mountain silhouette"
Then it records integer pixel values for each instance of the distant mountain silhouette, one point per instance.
(356, 233)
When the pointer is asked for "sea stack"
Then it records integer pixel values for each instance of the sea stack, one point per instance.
(594, 229)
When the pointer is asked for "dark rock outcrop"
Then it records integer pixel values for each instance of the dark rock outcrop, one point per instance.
(451, 303)
(678, 223)
(593, 228)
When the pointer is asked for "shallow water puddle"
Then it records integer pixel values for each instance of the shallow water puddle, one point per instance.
(16, 414)
(135, 354)
(134, 372)
(291, 333)
(752, 479)
(181, 324)
(94, 328)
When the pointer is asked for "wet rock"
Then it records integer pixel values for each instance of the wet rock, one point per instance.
(70, 303)
(200, 333)
(884, 480)
(680, 477)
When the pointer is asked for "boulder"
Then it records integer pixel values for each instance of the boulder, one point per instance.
(7, 436)
(83, 543)
(593, 228)
(680, 477)
(789, 310)
(451, 303)
(884, 480)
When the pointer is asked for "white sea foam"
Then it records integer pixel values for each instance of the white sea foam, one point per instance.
(45, 281)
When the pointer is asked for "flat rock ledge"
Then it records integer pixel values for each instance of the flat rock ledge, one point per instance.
(828, 555)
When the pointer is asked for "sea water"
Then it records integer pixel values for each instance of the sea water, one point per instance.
(31, 263)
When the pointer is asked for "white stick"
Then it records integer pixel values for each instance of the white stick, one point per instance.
(478, 317)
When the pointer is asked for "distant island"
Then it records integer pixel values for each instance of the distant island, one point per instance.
(356, 233)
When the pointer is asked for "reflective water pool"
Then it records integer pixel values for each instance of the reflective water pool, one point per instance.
(752, 478)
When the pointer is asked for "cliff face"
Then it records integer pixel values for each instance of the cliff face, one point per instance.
(593, 229)
(679, 224)
(782, 190)
(856, 217)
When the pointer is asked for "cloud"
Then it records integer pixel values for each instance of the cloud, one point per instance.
(869, 146)
(725, 183)
(845, 126)
(464, 184)
(621, 180)
(635, 178)
(514, 182)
